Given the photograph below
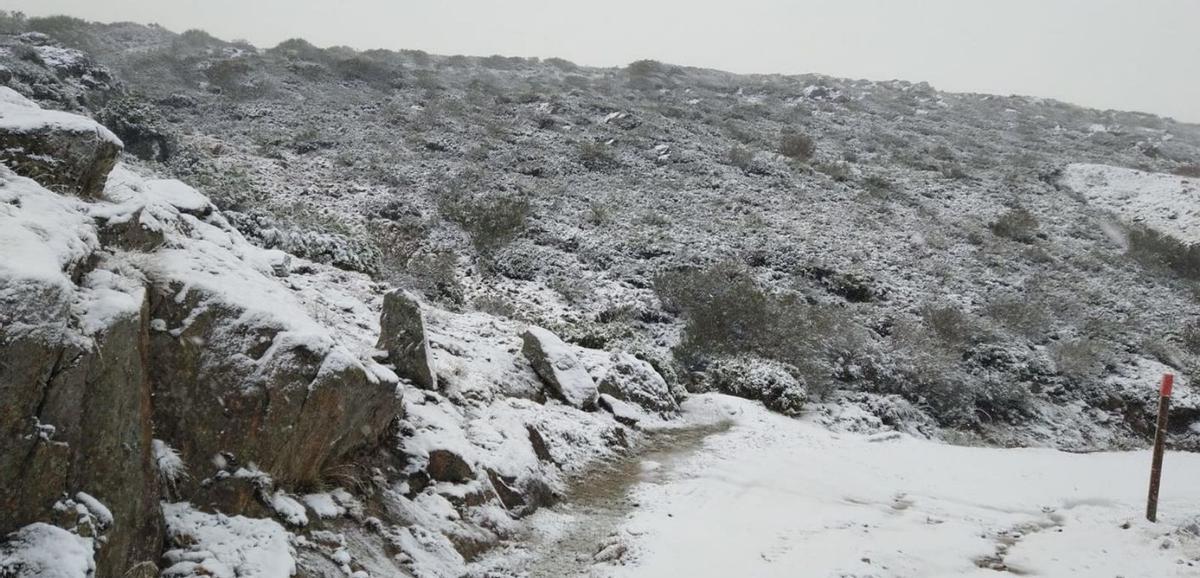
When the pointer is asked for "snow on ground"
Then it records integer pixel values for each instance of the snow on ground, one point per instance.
(225, 546)
(775, 496)
(1168, 203)
(46, 551)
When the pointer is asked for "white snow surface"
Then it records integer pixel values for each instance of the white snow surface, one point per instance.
(224, 546)
(44, 551)
(97, 509)
(1167, 203)
(288, 508)
(19, 115)
(775, 496)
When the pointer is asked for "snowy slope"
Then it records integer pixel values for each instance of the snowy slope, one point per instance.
(781, 497)
(1168, 203)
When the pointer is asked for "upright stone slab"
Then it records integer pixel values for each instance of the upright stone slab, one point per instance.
(402, 335)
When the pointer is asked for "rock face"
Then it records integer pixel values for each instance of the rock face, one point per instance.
(140, 316)
(61, 151)
(632, 380)
(402, 335)
(559, 368)
(76, 413)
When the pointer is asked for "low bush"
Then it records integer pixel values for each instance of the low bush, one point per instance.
(596, 156)
(1160, 250)
(1017, 224)
(491, 221)
(797, 146)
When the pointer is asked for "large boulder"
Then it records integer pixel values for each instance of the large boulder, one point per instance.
(634, 381)
(559, 367)
(402, 336)
(61, 151)
(240, 368)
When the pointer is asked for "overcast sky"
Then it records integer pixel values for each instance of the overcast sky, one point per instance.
(1132, 54)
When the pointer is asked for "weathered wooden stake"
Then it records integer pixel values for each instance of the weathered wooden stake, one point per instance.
(1160, 441)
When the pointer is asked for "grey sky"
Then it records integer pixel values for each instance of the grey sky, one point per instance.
(1131, 54)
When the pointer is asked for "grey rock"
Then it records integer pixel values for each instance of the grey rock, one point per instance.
(402, 335)
(559, 368)
(72, 157)
(447, 466)
(634, 381)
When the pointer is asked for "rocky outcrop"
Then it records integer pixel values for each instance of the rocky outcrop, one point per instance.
(402, 336)
(559, 368)
(142, 320)
(61, 151)
(634, 381)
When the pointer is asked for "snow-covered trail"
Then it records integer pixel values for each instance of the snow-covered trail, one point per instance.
(774, 496)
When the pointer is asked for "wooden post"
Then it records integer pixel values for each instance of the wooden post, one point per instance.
(1160, 441)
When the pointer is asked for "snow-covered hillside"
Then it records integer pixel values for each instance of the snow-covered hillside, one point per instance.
(303, 311)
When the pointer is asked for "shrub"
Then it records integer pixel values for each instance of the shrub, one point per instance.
(363, 69)
(436, 276)
(561, 64)
(955, 329)
(491, 221)
(1155, 249)
(1017, 224)
(596, 156)
(12, 22)
(299, 49)
(644, 68)
(796, 145)
(727, 313)
(230, 75)
(65, 29)
(1192, 171)
(740, 157)
(1080, 360)
(775, 384)
(1191, 337)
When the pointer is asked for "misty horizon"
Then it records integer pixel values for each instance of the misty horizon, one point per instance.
(1049, 52)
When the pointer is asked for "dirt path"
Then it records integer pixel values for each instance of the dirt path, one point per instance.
(599, 502)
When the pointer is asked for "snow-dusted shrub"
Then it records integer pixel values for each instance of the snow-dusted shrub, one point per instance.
(797, 146)
(740, 157)
(68, 30)
(1017, 224)
(1191, 337)
(728, 313)
(596, 156)
(1159, 250)
(169, 465)
(951, 325)
(363, 69)
(776, 384)
(1192, 170)
(298, 49)
(1080, 360)
(491, 221)
(435, 275)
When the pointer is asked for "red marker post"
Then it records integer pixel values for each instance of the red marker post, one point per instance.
(1160, 442)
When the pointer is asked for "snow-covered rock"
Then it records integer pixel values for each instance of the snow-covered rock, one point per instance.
(58, 149)
(44, 551)
(559, 367)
